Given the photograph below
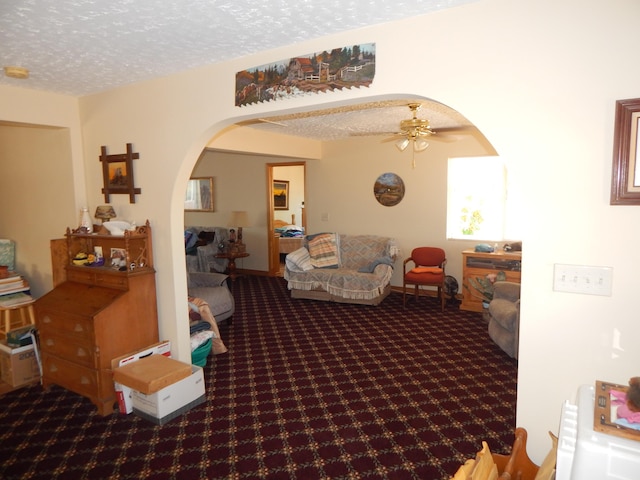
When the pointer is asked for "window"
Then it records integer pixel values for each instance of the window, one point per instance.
(476, 198)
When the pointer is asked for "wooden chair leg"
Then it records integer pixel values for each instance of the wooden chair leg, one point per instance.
(404, 295)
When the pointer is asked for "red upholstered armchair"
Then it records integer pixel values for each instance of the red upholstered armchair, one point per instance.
(428, 270)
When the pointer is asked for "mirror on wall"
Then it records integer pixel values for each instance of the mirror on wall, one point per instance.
(199, 195)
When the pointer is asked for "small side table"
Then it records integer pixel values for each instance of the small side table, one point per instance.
(22, 314)
(232, 256)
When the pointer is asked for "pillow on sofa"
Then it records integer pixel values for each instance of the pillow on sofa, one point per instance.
(324, 250)
(378, 261)
(299, 260)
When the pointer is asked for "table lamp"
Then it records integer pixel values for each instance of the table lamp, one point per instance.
(239, 220)
(105, 213)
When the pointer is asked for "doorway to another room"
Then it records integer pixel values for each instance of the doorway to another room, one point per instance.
(287, 215)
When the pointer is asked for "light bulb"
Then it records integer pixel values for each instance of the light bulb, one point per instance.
(402, 144)
(420, 144)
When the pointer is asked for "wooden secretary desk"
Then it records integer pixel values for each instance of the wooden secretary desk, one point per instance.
(96, 313)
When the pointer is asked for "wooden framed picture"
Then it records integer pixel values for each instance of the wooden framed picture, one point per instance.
(281, 194)
(625, 175)
(117, 173)
(608, 398)
(199, 195)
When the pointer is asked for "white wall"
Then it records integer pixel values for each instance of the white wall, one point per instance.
(538, 77)
(42, 185)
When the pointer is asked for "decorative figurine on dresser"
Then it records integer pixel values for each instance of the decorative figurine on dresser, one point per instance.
(98, 310)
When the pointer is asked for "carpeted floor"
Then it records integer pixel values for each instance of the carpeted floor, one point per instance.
(308, 390)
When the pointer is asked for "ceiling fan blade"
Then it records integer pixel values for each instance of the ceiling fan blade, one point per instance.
(258, 121)
(373, 134)
(455, 130)
(394, 137)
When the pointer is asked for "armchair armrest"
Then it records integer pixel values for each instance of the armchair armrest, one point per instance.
(506, 290)
(206, 279)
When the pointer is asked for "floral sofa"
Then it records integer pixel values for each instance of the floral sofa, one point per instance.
(342, 268)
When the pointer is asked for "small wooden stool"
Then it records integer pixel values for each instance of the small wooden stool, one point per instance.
(16, 317)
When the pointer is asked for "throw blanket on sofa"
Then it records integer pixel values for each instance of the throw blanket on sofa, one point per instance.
(365, 269)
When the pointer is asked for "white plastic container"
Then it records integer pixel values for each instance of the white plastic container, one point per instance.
(584, 454)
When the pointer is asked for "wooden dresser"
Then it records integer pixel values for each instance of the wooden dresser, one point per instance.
(96, 313)
(479, 264)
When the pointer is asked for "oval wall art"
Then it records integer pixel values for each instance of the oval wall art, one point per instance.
(388, 189)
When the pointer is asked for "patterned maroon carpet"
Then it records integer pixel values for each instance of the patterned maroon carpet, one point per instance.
(308, 390)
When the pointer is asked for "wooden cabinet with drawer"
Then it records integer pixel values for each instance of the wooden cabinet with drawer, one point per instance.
(95, 314)
(479, 265)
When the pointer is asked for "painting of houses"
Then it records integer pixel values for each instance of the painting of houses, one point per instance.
(335, 69)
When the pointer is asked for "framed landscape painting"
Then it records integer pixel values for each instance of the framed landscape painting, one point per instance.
(281, 194)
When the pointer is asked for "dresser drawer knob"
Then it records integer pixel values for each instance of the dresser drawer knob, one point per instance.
(79, 327)
(46, 319)
(81, 352)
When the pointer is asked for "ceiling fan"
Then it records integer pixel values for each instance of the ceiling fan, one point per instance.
(415, 131)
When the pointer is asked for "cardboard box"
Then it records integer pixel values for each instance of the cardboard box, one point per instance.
(172, 401)
(19, 365)
(153, 373)
(123, 393)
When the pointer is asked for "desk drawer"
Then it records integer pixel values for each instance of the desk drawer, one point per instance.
(66, 324)
(76, 378)
(82, 353)
(89, 276)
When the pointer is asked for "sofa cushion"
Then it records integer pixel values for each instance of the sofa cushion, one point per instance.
(299, 260)
(324, 250)
(357, 251)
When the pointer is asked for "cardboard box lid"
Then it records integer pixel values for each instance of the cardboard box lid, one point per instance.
(150, 374)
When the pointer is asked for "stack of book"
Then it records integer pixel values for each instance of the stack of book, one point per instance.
(14, 291)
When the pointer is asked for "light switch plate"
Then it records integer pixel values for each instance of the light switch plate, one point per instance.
(585, 279)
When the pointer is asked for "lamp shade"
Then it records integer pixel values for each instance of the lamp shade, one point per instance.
(239, 219)
(419, 144)
(105, 212)
(402, 144)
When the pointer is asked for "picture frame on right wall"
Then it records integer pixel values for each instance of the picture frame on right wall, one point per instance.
(625, 175)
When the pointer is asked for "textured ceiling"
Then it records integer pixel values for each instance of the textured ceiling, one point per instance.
(372, 118)
(80, 47)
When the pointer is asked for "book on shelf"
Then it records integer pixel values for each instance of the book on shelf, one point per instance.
(13, 286)
(15, 299)
(12, 277)
(21, 288)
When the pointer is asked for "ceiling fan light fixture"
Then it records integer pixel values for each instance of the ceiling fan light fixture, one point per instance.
(420, 144)
(402, 144)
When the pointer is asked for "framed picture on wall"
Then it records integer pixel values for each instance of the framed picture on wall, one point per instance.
(281, 194)
(625, 181)
(199, 195)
